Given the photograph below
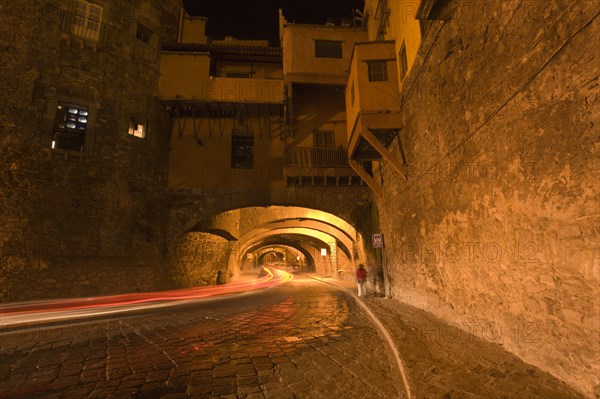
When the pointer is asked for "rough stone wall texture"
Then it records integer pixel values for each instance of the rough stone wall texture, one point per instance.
(106, 202)
(496, 228)
(249, 223)
(196, 258)
(85, 277)
(189, 207)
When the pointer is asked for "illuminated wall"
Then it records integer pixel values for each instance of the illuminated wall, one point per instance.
(395, 20)
(496, 228)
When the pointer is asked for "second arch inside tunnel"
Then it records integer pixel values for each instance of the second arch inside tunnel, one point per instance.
(243, 240)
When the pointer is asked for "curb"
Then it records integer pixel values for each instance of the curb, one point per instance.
(382, 330)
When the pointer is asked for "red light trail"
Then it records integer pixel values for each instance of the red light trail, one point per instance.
(53, 310)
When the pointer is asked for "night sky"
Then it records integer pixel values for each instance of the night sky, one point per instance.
(257, 19)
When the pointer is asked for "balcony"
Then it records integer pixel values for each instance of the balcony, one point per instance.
(80, 30)
(322, 166)
(373, 107)
(316, 157)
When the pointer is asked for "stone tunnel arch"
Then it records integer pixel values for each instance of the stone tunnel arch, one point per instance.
(233, 234)
(188, 207)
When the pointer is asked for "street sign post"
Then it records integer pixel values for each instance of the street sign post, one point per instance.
(378, 243)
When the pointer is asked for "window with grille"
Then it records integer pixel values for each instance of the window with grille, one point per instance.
(70, 126)
(323, 139)
(403, 61)
(87, 20)
(377, 71)
(137, 128)
(242, 151)
(328, 49)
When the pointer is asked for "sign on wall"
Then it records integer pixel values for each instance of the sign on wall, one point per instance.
(377, 240)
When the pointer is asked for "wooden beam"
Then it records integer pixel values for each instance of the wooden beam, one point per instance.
(220, 119)
(168, 110)
(209, 119)
(195, 125)
(377, 189)
(354, 137)
(281, 116)
(179, 127)
(260, 119)
(269, 122)
(380, 148)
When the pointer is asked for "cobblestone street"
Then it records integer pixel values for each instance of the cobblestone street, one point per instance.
(305, 339)
(300, 340)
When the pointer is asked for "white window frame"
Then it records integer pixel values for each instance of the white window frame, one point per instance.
(87, 20)
(324, 139)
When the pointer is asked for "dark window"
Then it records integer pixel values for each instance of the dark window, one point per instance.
(137, 128)
(242, 151)
(403, 61)
(328, 49)
(377, 71)
(143, 33)
(244, 75)
(323, 139)
(70, 125)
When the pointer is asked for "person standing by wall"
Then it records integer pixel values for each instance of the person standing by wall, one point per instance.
(361, 278)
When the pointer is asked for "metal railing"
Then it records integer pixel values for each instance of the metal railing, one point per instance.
(316, 157)
(86, 27)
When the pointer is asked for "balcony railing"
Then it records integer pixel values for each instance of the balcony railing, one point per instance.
(316, 157)
(83, 27)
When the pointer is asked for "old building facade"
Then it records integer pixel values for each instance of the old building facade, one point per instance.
(83, 146)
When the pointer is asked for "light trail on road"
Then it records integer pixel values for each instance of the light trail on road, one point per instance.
(55, 310)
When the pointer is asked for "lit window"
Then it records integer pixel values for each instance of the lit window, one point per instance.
(242, 151)
(323, 139)
(70, 126)
(143, 33)
(87, 20)
(328, 49)
(403, 61)
(137, 128)
(377, 71)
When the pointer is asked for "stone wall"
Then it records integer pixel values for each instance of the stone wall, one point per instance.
(496, 228)
(107, 201)
(189, 207)
(196, 258)
(83, 277)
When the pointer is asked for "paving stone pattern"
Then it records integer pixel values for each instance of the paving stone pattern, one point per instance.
(306, 341)
(443, 361)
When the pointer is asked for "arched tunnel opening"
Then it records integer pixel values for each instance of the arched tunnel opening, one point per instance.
(300, 240)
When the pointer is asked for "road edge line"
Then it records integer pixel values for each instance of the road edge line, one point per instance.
(386, 335)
